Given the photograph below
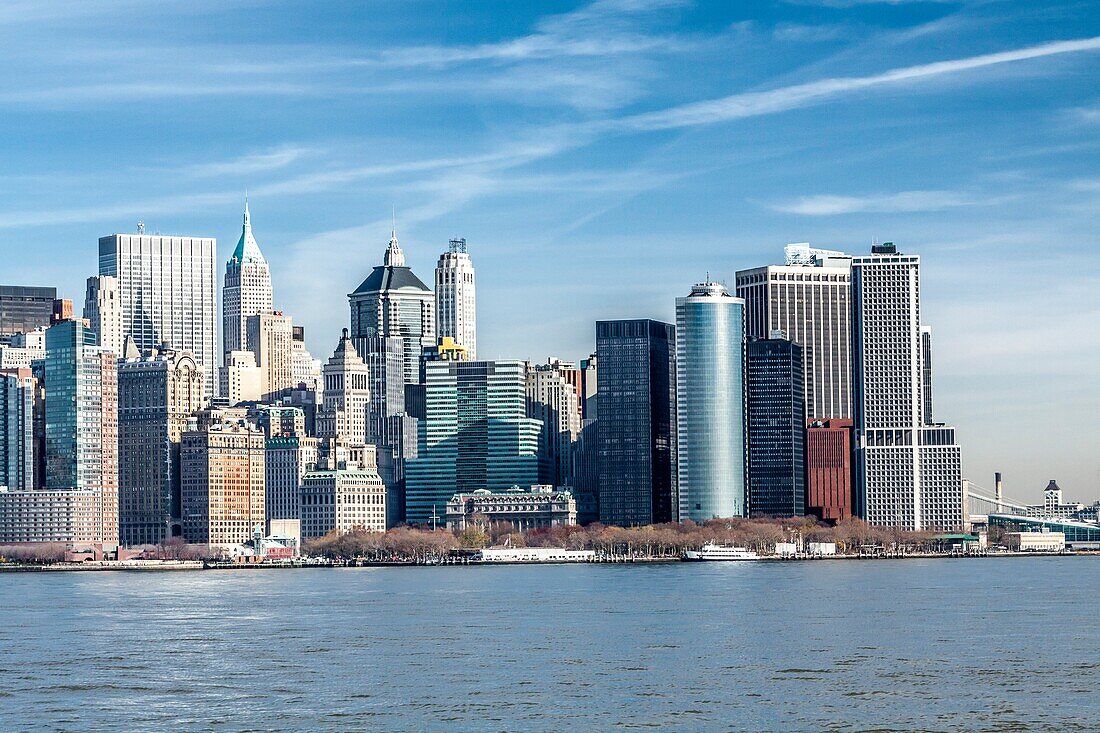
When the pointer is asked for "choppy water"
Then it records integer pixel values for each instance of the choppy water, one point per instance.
(943, 645)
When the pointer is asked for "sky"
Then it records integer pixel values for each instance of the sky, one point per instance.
(599, 158)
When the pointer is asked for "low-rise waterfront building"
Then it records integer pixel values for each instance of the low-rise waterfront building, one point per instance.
(539, 507)
(53, 515)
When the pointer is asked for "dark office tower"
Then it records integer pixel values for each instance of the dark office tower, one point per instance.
(24, 309)
(776, 389)
(636, 433)
(829, 469)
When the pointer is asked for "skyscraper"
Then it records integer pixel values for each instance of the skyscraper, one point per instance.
(636, 427)
(710, 403)
(552, 400)
(247, 289)
(394, 303)
(455, 297)
(286, 460)
(346, 395)
(808, 300)
(270, 338)
(82, 418)
(103, 311)
(24, 308)
(776, 401)
(475, 435)
(908, 471)
(166, 286)
(223, 475)
(18, 448)
(157, 393)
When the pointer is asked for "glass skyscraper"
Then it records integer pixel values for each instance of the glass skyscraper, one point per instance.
(636, 429)
(475, 435)
(710, 403)
(776, 387)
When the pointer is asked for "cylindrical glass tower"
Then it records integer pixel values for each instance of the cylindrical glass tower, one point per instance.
(710, 403)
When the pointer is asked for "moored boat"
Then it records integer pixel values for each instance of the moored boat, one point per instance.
(711, 551)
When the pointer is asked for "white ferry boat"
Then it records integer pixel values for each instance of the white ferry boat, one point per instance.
(720, 552)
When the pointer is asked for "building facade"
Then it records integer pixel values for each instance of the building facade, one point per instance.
(167, 291)
(270, 338)
(808, 299)
(103, 311)
(287, 459)
(636, 427)
(157, 393)
(710, 403)
(776, 428)
(241, 379)
(475, 435)
(456, 297)
(339, 496)
(246, 291)
(552, 400)
(394, 303)
(829, 469)
(54, 515)
(347, 395)
(223, 484)
(908, 470)
(539, 507)
(19, 451)
(24, 308)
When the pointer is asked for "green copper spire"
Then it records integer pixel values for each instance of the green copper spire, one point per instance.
(247, 250)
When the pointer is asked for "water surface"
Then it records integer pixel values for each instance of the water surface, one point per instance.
(935, 645)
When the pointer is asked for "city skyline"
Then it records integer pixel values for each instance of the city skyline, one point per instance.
(618, 218)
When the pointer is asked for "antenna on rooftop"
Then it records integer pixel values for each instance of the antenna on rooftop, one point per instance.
(141, 227)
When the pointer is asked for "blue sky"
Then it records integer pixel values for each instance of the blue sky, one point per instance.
(599, 157)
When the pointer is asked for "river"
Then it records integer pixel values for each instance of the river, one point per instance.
(1008, 644)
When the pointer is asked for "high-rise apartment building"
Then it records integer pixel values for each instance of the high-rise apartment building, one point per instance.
(636, 428)
(455, 297)
(81, 418)
(710, 403)
(475, 435)
(24, 308)
(346, 395)
(808, 300)
(829, 469)
(246, 291)
(552, 400)
(394, 303)
(18, 448)
(776, 399)
(166, 285)
(223, 489)
(270, 338)
(908, 471)
(157, 393)
(103, 311)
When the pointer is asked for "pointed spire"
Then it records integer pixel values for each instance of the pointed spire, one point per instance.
(247, 249)
(130, 349)
(394, 256)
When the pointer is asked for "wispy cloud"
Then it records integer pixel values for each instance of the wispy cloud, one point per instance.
(250, 164)
(755, 104)
(904, 201)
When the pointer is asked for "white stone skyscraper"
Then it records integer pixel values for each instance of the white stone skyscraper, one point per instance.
(808, 300)
(247, 290)
(456, 298)
(908, 470)
(167, 290)
(347, 395)
(103, 311)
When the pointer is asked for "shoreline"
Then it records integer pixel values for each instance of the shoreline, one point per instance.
(148, 566)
